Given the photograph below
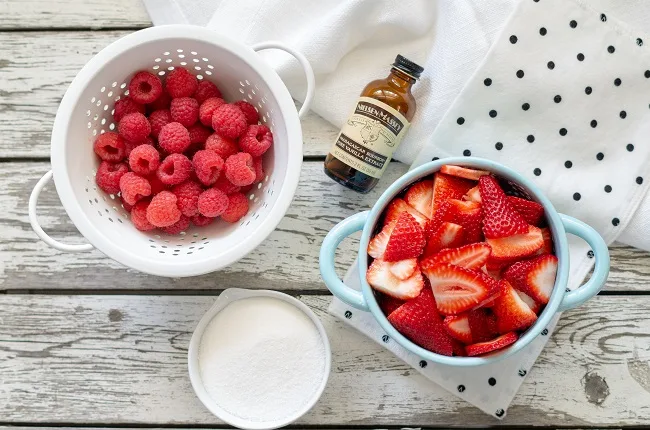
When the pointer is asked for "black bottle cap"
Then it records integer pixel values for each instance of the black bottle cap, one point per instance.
(408, 66)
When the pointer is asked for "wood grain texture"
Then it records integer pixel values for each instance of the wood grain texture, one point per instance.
(77, 14)
(122, 360)
(36, 68)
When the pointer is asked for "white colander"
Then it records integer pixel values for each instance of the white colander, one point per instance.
(86, 111)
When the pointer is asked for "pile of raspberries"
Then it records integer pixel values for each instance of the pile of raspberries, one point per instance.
(181, 154)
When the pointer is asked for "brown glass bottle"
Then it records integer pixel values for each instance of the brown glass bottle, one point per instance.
(375, 128)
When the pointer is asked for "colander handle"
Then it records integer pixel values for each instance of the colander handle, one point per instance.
(33, 199)
(309, 72)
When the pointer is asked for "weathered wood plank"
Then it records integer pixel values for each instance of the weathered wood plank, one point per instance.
(122, 359)
(288, 259)
(91, 14)
(27, 263)
(35, 71)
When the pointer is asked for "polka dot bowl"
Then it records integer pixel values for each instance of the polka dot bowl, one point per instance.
(559, 224)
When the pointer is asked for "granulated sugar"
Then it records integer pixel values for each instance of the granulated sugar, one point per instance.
(261, 359)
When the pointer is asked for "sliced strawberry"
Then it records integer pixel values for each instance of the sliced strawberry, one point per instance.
(517, 246)
(547, 248)
(472, 256)
(512, 312)
(419, 197)
(457, 289)
(448, 235)
(406, 240)
(387, 303)
(497, 288)
(458, 327)
(380, 277)
(491, 345)
(397, 207)
(404, 269)
(447, 187)
(482, 324)
(500, 219)
(463, 172)
(531, 211)
(377, 245)
(534, 277)
(473, 195)
(419, 321)
(467, 214)
(532, 304)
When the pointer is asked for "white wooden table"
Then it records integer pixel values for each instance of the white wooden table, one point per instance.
(85, 342)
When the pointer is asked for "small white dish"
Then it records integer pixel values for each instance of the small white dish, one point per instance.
(226, 298)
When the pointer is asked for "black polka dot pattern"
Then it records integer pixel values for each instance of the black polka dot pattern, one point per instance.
(550, 65)
(461, 388)
(639, 180)
(590, 254)
(499, 413)
(467, 153)
(580, 57)
(348, 314)
(492, 382)
(593, 123)
(530, 138)
(611, 49)
(608, 188)
(525, 106)
(557, 98)
(600, 156)
(647, 74)
(568, 164)
(520, 74)
(385, 338)
(563, 131)
(544, 332)
(542, 31)
(622, 114)
(487, 82)
(603, 17)
(616, 222)
(573, 23)
(576, 196)
(422, 364)
(460, 121)
(617, 82)
(630, 147)
(513, 39)
(498, 146)
(537, 171)
(435, 158)
(493, 113)
(639, 41)
(522, 372)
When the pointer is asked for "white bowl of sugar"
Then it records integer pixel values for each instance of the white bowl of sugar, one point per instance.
(259, 359)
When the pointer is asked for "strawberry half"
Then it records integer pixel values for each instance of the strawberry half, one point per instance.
(457, 289)
(473, 195)
(547, 248)
(458, 327)
(387, 303)
(482, 324)
(463, 172)
(534, 277)
(467, 214)
(419, 197)
(497, 289)
(406, 240)
(491, 345)
(380, 277)
(419, 321)
(531, 211)
(532, 304)
(399, 206)
(447, 187)
(512, 312)
(377, 245)
(404, 269)
(517, 246)
(448, 235)
(500, 219)
(472, 256)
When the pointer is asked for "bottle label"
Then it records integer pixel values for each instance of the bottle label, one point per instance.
(370, 136)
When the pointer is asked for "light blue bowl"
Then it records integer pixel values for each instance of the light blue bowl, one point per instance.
(559, 224)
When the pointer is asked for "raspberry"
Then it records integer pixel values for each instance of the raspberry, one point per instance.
(181, 83)
(185, 110)
(207, 166)
(139, 216)
(156, 184)
(198, 133)
(201, 221)
(174, 169)
(257, 139)
(124, 107)
(213, 202)
(237, 208)
(110, 146)
(130, 146)
(134, 187)
(249, 111)
(226, 186)
(206, 90)
(158, 119)
(127, 207)
(145, 87)
(259, 169)
(134, 127)
(229, 121)
(162, 211)
(161, 102)
(239, 169)
(174, 138)
(181, 225)
(144, 160)
(223, 146)
(108, 176)
(187, 194)
(207, 110)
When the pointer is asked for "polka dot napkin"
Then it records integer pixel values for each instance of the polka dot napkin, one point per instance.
(563, 97)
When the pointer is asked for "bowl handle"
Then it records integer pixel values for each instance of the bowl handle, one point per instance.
(33, 200)
(309, 72)
(327, 252)
(601, 270)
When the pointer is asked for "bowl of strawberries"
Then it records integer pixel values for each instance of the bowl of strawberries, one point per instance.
(463, 261)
